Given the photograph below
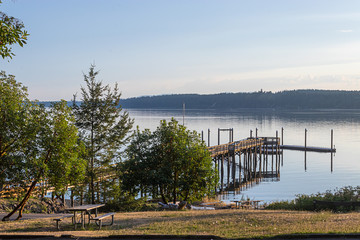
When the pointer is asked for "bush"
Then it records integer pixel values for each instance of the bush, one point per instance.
(304, 202)
(128, 204)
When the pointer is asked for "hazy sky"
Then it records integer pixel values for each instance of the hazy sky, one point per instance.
(152, 47)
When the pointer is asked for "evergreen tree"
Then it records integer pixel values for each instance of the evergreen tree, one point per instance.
(104, 128)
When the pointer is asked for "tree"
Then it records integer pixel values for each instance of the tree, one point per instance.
(50, 152)
(104, 128)
(171, 162)
(11, 32)
(15, 129)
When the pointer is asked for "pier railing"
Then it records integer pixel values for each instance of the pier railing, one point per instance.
(230, 148)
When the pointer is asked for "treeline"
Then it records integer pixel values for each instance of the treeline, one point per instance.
(296, 99)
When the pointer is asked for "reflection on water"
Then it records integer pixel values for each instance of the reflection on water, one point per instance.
(301, 173)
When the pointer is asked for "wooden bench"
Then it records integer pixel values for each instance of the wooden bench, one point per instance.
(98, 220)
(59, 219)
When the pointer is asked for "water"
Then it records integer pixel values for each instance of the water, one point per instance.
(296, 176)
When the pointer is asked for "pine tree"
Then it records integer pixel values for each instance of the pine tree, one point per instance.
(104, 128)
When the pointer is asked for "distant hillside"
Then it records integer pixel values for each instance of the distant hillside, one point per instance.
(297, 99)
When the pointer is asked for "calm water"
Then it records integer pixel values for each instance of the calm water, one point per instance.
(295, 178)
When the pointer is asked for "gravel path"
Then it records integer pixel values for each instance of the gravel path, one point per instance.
(27, 216)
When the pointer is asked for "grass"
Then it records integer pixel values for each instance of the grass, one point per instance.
(222, 223)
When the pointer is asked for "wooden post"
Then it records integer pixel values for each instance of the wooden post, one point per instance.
(216, 167)
(250, 163)
(332, 147)
(277, 151)
(239, 168)
(272, 149)
(202, 135)
(208, 137)
(222, 173)
(255, 161)
(246, 167)
(332, 139)
(234, 170)
(218, 136)
(282, 143)
(228, 170)
(267, 153)
(251, 133)
(305, 150)
(260, 157)
(256, 133)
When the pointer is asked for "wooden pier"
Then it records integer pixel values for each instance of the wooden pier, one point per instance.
(253, 159)
(246, 161)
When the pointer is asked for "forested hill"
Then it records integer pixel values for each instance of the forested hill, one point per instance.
(297, 99)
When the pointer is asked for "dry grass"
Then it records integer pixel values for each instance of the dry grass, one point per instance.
(223, 223)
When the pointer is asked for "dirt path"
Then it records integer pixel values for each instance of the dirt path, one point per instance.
(31, 216)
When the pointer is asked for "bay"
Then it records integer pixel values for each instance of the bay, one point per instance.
(297, 176)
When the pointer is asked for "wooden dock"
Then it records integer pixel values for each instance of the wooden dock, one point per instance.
(235, 147)
(249, 160)
(308, 148)
(246, 161)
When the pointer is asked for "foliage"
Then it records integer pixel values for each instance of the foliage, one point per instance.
(11, 32)
(35, 143)
(172, 162)
(104, 128)
(128, 203)
(304, 202)
(15, 129)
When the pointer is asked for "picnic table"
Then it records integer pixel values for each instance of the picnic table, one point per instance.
(84, 210)
(247, 203)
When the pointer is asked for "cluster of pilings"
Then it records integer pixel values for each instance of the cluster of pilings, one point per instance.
(247, 161)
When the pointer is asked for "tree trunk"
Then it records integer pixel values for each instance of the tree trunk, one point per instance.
(186, 196)
(21, 206)
(92, 186)
(174, 187)
(163, 195)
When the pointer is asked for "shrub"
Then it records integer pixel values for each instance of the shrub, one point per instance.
(128, 204)
(304, 202)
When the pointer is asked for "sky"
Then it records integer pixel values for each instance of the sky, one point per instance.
(155, 47)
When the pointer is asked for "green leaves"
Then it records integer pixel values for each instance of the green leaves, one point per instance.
(36, 143)
(172, 162)
(11, 32)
